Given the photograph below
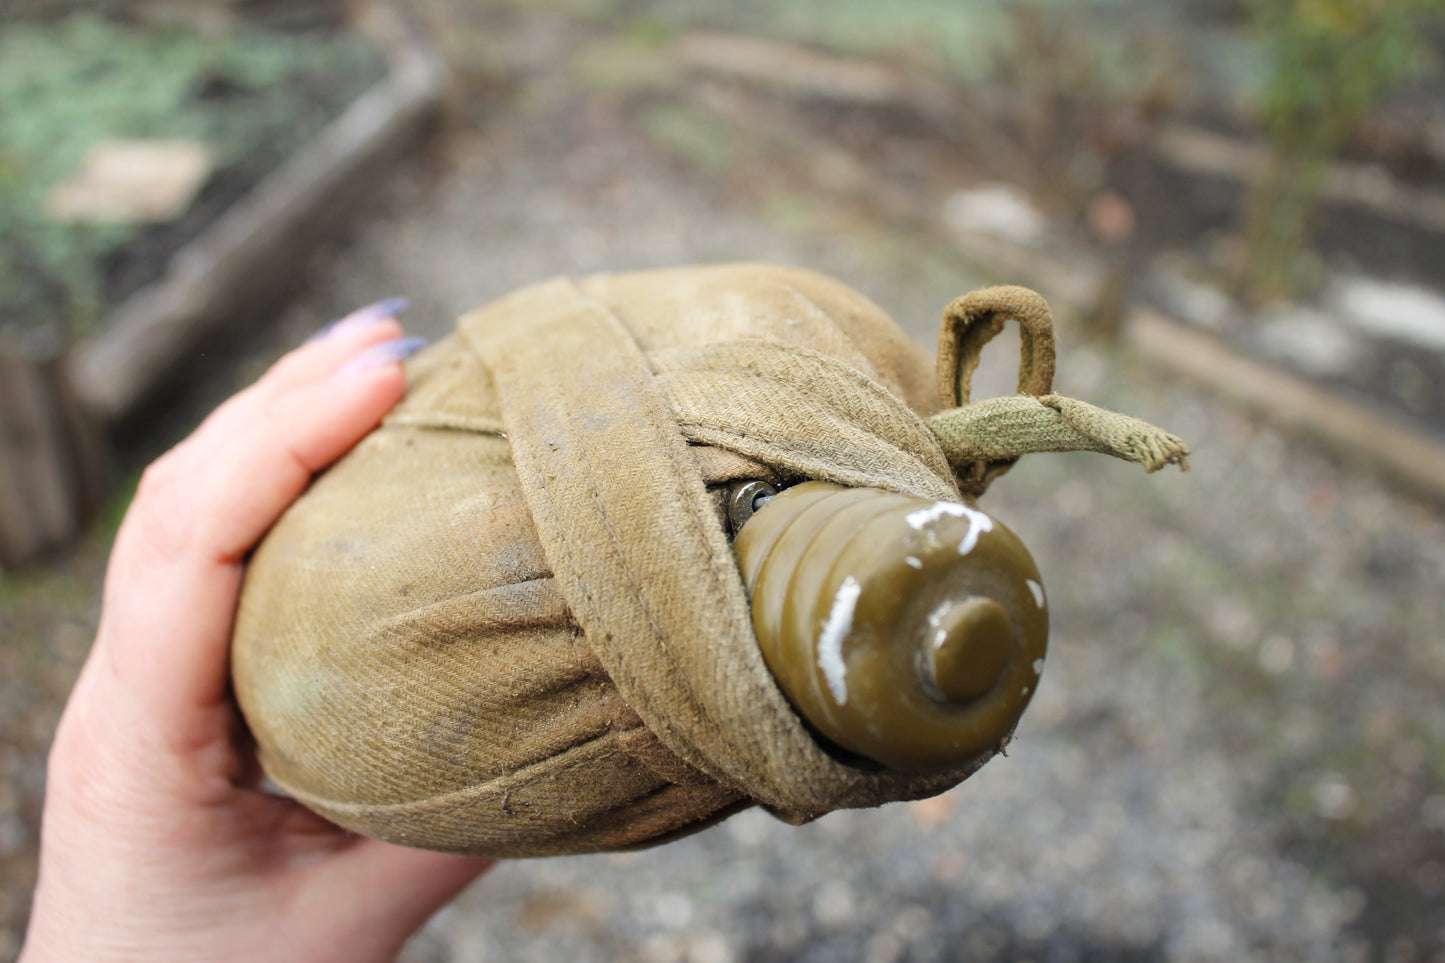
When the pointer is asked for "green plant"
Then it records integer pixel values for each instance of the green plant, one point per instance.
(68, 84)
(1328, 63)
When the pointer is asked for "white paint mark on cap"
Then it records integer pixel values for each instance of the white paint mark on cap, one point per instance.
(927, 516)
(830, 642)
(978, 522)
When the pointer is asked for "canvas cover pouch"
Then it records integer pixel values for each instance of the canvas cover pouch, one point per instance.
(510, 623)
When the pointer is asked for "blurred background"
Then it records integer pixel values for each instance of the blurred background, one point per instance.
(1236, 207)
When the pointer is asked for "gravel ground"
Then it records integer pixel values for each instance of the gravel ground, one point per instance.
(1238, 748)
(1241, 696)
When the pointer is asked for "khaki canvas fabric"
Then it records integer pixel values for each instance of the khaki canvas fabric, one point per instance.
(510, 622)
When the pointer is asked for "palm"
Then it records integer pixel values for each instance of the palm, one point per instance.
(156, 836)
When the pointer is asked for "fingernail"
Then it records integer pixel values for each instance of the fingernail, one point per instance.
(370, 314)
(387, 352)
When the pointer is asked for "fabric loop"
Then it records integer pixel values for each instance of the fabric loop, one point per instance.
(983, 440)
(973, 320)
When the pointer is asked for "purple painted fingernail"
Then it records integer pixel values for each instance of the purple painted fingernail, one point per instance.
(387, 352)
(370, 314)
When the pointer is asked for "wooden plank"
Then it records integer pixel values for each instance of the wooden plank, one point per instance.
(248, 256)
(1413, 457)
(1368, 185)
(792, 66)
(52, 463)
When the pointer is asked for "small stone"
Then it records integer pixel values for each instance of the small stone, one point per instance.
(1334, 797)
(1404, 312)
(708, 947)
(1309, 340)
(833, 905)
(1276, 655)
(1432, 813)
(997, 210)
(673, 910)
(1111, 217)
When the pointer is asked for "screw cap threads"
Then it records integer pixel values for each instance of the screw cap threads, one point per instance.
(905, 631)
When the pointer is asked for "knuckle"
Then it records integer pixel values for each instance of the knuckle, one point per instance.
(156, 478)
(158, 518)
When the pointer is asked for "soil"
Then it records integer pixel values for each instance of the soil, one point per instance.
(1397, 376)
(315, 99)
(260, 126)
(1235, 752)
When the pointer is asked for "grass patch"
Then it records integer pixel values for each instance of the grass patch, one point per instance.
(67, 85)
(701, 140)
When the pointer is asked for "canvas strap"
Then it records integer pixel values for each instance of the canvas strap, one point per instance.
(634, 539)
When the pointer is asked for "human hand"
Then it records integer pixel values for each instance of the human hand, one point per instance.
(157, 843)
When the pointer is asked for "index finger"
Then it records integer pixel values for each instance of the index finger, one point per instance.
(174, 575)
